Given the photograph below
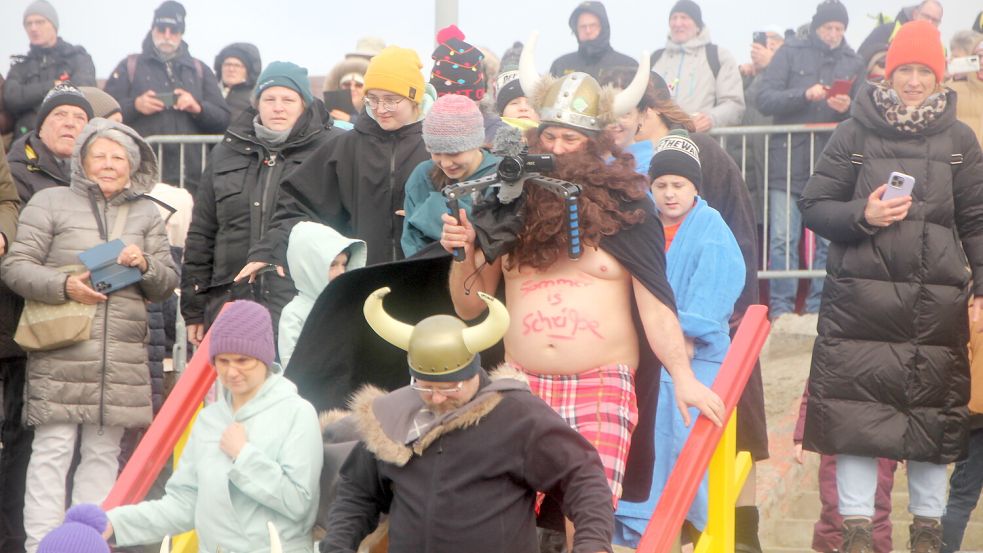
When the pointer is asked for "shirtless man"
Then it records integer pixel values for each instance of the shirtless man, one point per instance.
(571, 320)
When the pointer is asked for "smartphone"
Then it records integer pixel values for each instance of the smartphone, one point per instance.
(340, 100)
(167, 98)
(760, 37)
(839, 86)
(898, 185)
(965, 64)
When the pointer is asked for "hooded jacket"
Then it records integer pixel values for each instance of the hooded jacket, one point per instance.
(354, 184)
(695, 88)
(103, 380)
(593, 57)
(233, 210)
(229, 502)
(310, 252)
(33, 75)
(469, 483)
(152, 72)
(890, 376)
(796, 66)
(239, 97)
(969, 102)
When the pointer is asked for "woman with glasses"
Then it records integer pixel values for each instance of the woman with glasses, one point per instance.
(237, 66)
(355, 182)
(236, 200)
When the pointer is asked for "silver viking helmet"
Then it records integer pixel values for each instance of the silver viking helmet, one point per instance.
(439, 348)
(577, 100)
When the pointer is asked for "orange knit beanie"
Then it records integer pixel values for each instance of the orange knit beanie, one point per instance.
(917, 42)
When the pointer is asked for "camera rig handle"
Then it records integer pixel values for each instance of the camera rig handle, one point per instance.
(569, 191)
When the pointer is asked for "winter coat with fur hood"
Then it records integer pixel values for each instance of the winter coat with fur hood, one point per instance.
(890, 375)
(103, 380)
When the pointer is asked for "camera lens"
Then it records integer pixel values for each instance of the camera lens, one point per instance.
(510, 169)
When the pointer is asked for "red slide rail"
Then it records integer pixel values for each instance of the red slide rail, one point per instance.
(663, 527)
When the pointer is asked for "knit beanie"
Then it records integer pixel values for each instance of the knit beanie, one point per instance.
(244, 328)
(285, 73)
(80, 533)
(829, 10)
(457, 66)
(454, 125)
(677, 155)
(63, 94)
(44, 9)
(170, 14)
(103, 104)
(978, 23)
(396, 70)
(690, 8)
(507, 87)
(916, 42)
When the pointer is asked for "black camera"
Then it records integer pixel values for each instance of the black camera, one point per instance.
(513, 168)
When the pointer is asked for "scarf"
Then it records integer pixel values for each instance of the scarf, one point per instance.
(268, 136)
(907, 119)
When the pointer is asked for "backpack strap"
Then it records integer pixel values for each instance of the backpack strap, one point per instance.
(713, 58)
(657, 54)
(199, 70)
(131, 67)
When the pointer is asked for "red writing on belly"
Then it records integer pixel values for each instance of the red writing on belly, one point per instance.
(564, 326)
(533, 285)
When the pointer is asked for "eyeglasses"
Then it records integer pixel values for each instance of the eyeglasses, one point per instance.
(431, 390)
(232, 65)
(348, 85)
(383, 104)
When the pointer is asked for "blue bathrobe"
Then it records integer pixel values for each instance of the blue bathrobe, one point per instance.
(706, 271)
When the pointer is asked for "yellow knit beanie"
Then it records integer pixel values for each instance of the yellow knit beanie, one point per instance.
(396, 70)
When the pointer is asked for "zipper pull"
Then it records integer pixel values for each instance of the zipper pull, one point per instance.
(271, 161)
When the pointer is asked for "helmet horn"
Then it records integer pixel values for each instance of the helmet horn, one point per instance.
(528, 76)
(483, 336)
(275, 545)
(165, 545)
(388, 328)
(628, 98)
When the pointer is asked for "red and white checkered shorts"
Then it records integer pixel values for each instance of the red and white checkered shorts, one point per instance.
(599, 404)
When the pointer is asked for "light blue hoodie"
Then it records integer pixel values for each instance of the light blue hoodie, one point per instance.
(310, 251)
(274, 479)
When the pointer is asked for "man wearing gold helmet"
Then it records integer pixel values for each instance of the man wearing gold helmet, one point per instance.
(456, 457)
(573, 331)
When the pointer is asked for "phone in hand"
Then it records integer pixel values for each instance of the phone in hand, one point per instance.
(166, 97)
(965, 64)
(839, 86)
(760, 37)
(340, 100)
(898, 186)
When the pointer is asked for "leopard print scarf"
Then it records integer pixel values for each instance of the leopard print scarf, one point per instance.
(910, 120)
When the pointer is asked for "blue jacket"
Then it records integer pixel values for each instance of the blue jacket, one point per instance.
(274, 478)
(424, 204)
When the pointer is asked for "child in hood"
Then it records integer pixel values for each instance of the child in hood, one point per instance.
(316, 254)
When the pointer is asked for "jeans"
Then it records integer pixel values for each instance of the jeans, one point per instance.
(784, 239)
(856, 484)
(964, 492)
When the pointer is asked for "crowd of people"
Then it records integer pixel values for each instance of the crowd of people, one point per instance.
(607, 294)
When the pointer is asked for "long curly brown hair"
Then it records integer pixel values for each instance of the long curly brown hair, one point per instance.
(606, 184)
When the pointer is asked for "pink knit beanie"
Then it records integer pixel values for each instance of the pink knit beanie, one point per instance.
(244, 328)
(453, 125)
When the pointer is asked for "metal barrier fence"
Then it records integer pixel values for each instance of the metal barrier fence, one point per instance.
(748, 145)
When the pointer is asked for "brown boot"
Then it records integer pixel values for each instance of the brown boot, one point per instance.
(926, 535)
(857, 536)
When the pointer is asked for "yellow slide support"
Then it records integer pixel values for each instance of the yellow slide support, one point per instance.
(727, 472)
(188, 541)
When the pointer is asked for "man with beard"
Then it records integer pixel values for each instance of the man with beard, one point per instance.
(456, 457)
(163, 90)
(572, 331)
(594, 55)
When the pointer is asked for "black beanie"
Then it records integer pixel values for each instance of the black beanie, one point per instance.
(978, 24)
(507, 87)
(690, 8)
(677, 155)
(63, 94)
(829, 10)
(170, 14)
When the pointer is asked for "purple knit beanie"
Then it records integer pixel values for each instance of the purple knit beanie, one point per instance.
(245, 328)
(81, 532)
(453, 125)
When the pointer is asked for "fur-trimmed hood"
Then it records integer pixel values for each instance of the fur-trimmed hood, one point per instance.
(383, 420)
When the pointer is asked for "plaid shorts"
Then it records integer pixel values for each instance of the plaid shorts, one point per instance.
(600, 405)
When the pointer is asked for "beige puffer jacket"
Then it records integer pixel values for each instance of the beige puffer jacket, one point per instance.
(104, 380)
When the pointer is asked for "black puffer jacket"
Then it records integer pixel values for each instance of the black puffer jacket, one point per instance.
(233, 210)
(798, 65)
(593, 57)
(33, 75)
(354, 184)
(184, 72)
(890, 377)
(239, 97)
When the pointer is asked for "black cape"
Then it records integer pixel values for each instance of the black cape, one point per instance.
(337, 352)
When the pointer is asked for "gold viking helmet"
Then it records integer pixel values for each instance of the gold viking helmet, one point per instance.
(440, 348)
(577, 100)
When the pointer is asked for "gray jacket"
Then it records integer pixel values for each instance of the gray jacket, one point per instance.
(104, 380)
